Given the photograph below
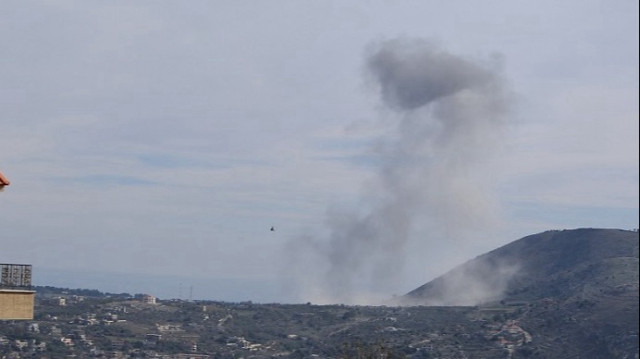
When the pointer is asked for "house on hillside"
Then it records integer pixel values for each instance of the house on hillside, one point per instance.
(148, 299)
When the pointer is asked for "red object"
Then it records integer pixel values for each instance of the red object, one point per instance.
(4, 181)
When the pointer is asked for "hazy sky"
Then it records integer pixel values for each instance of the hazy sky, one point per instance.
(166, 137)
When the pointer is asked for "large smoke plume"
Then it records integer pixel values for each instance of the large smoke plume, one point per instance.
(449, 111)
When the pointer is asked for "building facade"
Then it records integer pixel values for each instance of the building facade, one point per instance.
(16, 296)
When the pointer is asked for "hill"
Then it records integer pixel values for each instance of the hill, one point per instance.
(577, 290)
(553, 264)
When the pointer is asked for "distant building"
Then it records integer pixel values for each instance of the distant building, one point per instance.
(16, 295)
(33, 328)
(149, 299)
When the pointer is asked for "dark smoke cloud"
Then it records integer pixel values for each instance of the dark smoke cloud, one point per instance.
(450, 111)
(413, 74)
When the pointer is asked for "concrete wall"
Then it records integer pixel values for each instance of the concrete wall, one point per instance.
(16, 304)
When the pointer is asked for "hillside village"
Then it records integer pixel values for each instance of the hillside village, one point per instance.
(575, 296)
(70, 324)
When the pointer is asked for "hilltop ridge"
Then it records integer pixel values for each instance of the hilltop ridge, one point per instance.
(557, 263)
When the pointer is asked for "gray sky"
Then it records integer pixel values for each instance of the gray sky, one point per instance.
(165, 138)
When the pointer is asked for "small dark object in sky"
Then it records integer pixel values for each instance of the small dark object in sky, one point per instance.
(272, 229)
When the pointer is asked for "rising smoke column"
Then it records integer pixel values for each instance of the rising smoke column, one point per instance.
(449, 112)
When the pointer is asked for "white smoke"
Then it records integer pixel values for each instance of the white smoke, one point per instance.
(478, 281)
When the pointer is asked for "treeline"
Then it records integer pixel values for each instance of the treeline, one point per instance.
(48, 291)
